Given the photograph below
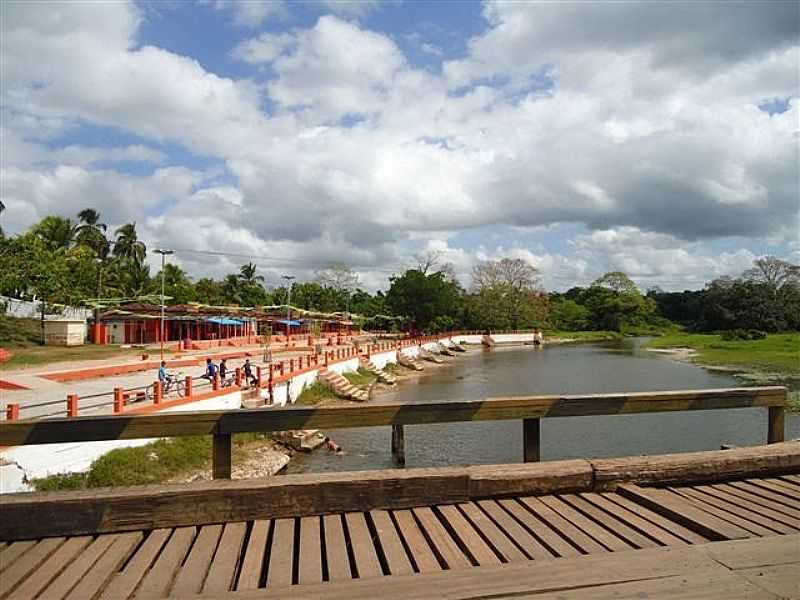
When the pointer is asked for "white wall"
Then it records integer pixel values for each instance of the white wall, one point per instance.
(468, 339)
(47, 459)
(411, 351)
(512, 337)
(381, 359)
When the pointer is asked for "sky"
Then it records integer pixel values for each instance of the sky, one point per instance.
(661, 139)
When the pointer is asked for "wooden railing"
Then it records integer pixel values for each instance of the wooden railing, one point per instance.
(530, 409)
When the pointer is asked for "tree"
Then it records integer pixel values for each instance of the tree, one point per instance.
(338, 276)
(209, 291)
(514, 273)
(617, 281)
(57, 232)
(247, 275)
(90, 231)
(128, 247)
(423, 298)
(773, 272)
(428, 261)
(176, 284)
(568, 315)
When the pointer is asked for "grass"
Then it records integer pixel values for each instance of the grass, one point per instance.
(361, 377)
(778, 352)
(152, 463)
(584, 336)
(22, 336)
(314, 394)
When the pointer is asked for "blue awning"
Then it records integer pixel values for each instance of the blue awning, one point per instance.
(225, 321)
(290, 323)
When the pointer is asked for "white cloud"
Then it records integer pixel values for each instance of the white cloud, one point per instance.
(252, 13)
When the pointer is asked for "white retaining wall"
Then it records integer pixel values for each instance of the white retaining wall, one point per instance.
(33, 462)
(471, 338)
(381, 359)
(287, 392)
(512, 337)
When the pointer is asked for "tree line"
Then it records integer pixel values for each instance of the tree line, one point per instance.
(64, 261)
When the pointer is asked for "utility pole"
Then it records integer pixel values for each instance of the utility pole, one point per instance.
(163, 254)
(289, 279)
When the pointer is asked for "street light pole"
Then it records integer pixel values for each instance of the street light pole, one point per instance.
(163, 254)
(289, 279)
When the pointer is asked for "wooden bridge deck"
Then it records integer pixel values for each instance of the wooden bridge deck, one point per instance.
(464, 546)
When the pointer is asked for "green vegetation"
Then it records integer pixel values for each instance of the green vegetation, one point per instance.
(314, 394)
(362, 377)
(152, 463)
(775, 353)
(583, 336)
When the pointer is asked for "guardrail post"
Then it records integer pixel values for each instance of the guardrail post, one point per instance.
(291, 365)
(119, 400)
(531, 440)
(221, 456)
(158, 393)
(269, 384)
(187, 386)
(72, 405)
(775, 424)
(258, 376)
(238, 377)
(398, 445)
(12, 412)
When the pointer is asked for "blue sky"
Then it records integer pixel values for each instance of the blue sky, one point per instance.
(658, 138)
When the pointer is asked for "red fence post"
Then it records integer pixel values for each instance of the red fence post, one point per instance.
(12, 412)
(258, 377)
(119, 400)
(158, 393)
(72, 405)
(187, 386)
(238, 377)
(291, 365)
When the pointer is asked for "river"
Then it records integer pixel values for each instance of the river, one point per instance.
(567, 369)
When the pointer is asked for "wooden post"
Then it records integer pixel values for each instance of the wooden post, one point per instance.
(12, 412)
(258, 376)
(119, 400)
(531, 440)
(398, 445)
(238, 377)
(221, 456)
(775, 424)
(72, 405)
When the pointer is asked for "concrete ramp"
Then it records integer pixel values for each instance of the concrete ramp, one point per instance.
(383, 376)
(342, 387)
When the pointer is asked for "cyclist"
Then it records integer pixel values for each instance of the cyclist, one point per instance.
(162, 372)
(248, 372)
(223, 369)
(211, 370)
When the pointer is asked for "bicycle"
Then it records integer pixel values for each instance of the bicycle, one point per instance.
(171, 384)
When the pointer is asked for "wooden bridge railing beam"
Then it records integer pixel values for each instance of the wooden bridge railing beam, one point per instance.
(776, 424)
(531, 440)
(222, 450)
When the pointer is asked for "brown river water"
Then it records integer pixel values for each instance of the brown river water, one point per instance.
(567, 369)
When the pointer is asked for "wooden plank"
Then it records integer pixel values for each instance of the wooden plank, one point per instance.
(527, 543)
(651, 530)
(221, 455)
(776, 424)
(253, 562)
(396, 557)
(758, 490)
(499, 540)
(336, 549)
(421, 552)
(112, 510)
(592, 529)
(712, 506)
(226, 559)
(615, 526)
(79, 567)
(781, 580)
(190, 578)
(531, 440)
(697, 467)
(105, 568)
(681, 510)
(749, 510)
(159, 578)
(460, 528)
(795, 479)
(529, 479)
(781, 482)
(97, 428)
(310, 557)
(775, 510)
(675, 528)
(756, 552)
(364, 554)
(51, 568)
(281, 554)
(575, 536)
(768, 484)
(125, 582)
(27, 563)
(556, 544)
(13, 551)
(444, 545)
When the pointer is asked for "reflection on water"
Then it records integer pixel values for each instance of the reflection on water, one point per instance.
(615, 367)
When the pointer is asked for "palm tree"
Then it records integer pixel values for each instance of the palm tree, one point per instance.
(247, 275)
(57, 232)
(91, 232)
(128, 245)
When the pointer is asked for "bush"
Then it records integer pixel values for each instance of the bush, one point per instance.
(733, 335)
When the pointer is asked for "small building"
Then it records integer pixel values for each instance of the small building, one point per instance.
(64, 332)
